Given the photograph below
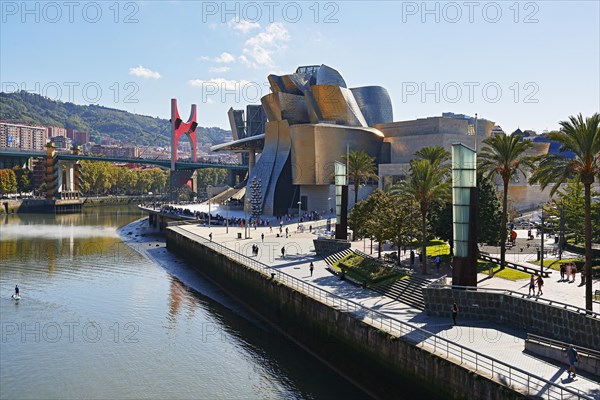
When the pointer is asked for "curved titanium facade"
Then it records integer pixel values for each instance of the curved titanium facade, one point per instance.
(313, 120)
(375, 104)
(335, 105)
(315, 148)
(284, 106)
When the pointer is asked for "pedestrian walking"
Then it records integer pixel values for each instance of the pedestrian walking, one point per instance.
(562, 272)
(283, 252)
(454, 312)
(412, 258)
(540, 283)
(437, 262)
(286, 231)
(210, 236)
(532, 284)
(262, 237)
(311, 268)
(573, 358)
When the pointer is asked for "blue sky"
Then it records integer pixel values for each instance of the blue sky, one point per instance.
(520, 64)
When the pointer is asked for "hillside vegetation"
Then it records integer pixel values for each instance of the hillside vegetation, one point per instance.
(101, 122)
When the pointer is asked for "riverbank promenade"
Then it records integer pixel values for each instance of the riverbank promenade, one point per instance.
(503, 344)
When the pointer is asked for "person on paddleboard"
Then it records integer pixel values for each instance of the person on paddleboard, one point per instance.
(16, 291)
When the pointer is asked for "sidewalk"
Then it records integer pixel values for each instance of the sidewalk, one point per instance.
(494, 340)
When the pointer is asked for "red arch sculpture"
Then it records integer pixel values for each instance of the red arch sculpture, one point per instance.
(178, 128)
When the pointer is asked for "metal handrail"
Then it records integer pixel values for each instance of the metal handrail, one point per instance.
(558, 343)
(429, 341)
(578, 310)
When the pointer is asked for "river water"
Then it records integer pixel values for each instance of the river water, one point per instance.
(98, 319)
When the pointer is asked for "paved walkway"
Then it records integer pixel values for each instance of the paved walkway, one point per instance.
(494, 340)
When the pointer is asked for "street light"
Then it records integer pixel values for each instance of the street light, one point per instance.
(299, 204)
(227, 217)
(208, 194)
(329, 204)
(542, 244)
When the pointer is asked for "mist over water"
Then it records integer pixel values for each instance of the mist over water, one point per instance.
(31, 231)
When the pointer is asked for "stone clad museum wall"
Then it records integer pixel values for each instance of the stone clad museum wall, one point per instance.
(540, 319)
(383, 365)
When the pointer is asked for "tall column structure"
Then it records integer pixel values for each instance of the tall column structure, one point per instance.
(178, 128)
(465, 201)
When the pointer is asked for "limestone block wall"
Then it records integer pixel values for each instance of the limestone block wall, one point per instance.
(545, 320)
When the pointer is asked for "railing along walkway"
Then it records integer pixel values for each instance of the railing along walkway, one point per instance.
(516, 378)
(566, 306)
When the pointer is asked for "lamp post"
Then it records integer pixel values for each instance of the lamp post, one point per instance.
(227, 216)
(542, 244)
(299, 205)
(208, 194)
(329, 204)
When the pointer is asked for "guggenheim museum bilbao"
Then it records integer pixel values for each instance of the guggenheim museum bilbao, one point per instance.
(312, 118)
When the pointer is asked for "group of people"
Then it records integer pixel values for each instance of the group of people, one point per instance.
(568, 271)
(533, 282)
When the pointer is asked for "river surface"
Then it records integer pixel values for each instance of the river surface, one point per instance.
(100, 320)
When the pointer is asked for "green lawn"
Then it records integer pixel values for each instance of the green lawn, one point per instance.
(506, 273)
(364, 269)
(435, 248)
(555, 264)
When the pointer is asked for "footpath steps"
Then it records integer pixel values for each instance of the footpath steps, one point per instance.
(333, 258)
(408, 291)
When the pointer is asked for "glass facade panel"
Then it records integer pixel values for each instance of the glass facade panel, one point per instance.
(464, 177)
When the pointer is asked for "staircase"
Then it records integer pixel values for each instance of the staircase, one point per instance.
(407, 291)
(332, 258)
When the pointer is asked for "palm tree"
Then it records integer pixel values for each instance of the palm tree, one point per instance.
(504, 156)
(582, 137)
(426, 184)
(436, 155)
(361, 168)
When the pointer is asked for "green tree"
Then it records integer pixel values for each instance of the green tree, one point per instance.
(582, 137)
(361, 168)
(426, 185)
(490, 212)
(401, 217)
(378, 225)
(211, 176)
(23, 179)
(503, 156)
(359, 215)
(8, 181)
(572, 201)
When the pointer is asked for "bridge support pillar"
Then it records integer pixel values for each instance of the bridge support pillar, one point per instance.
(180, 181)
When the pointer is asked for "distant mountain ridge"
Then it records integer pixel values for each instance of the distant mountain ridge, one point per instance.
(101, 122)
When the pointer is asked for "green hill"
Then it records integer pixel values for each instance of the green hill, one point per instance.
(101, 122)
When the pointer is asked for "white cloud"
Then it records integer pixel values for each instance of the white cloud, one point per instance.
(244, 60)
(219, 83)
(243, 25)
(261, 47)
(225, 58)
(144, 72)
(218, 70)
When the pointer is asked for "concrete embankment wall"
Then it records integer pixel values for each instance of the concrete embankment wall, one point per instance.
(385, 366)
